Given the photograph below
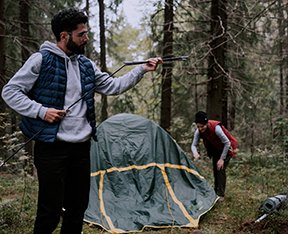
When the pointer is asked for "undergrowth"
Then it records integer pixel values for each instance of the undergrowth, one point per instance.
(250, 180)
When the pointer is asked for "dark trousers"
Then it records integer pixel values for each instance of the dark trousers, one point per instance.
(219, 175)
(63, 171)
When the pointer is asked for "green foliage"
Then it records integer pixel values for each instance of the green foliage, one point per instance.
(12, 143)
(17, 203)
(123, 104)
(280, 130)
(7, 216)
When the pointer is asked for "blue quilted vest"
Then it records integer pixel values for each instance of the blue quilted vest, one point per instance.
(49, 90)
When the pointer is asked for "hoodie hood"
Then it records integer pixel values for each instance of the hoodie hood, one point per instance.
(53, 48)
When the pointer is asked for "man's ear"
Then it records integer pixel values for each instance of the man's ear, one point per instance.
(64, 36)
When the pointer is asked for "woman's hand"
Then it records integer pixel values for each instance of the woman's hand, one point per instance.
(196, 156)
(220, 164)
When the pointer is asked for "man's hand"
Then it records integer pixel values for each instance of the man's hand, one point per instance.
(220, 164)
(152, 64)
(53, 115)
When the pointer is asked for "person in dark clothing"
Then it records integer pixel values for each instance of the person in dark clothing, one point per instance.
(220, 146)
(46, 86)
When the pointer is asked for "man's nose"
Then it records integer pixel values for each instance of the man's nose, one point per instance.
(86, 37)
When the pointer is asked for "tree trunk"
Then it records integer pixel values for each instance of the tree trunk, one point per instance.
(196, 101)
(282, 24)
(24, 29)
(165, 115)
(104, 113)
(24, 38)
(2, 53)
(232, 113)
(217, 100)
(281, 36)
(2, 68)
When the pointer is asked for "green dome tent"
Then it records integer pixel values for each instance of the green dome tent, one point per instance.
(140, 177)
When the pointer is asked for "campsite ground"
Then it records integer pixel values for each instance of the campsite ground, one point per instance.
(250, 181)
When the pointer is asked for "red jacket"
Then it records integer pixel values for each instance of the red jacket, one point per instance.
(210, 138)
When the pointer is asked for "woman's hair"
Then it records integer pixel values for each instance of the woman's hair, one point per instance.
(201, 117)
(67, 20)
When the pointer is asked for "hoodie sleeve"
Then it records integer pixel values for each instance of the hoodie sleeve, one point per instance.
(224, 139)
(195, 142)
(113, 86)
(14, 93)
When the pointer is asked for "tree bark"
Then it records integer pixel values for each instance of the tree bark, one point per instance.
(165, 115)
(2, 67)
(24, 29)
(2, 52)
(24, 10)
(104, 112)
(217, 100)
(281, 36)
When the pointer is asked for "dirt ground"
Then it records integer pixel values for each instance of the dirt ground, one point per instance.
(264, 227)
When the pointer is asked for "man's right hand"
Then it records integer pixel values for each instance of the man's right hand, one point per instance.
(53, 115)
(152, 64)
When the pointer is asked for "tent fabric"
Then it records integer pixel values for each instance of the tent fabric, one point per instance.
(140, 177)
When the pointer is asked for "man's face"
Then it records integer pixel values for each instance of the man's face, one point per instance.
(78, 39)
(202, 127)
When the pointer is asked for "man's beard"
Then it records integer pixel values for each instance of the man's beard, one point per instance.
(75, 49)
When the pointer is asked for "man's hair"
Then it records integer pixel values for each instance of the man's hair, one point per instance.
(201, 117)
(67, 20)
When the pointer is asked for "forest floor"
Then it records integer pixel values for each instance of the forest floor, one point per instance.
(250, 181)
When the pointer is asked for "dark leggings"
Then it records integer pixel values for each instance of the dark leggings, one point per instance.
(219, 175)
(63, 171)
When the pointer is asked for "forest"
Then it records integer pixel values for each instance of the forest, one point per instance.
(235, 69)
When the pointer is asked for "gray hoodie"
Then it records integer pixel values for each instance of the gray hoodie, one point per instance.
(74, 127)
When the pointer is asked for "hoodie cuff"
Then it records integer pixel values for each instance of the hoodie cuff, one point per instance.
(141, 70)
(223, 157)
(42, 112)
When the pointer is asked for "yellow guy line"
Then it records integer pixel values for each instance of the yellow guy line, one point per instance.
(121, 169)
(193, 222)
(102, 207)
(166, 179)
(192, 171)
